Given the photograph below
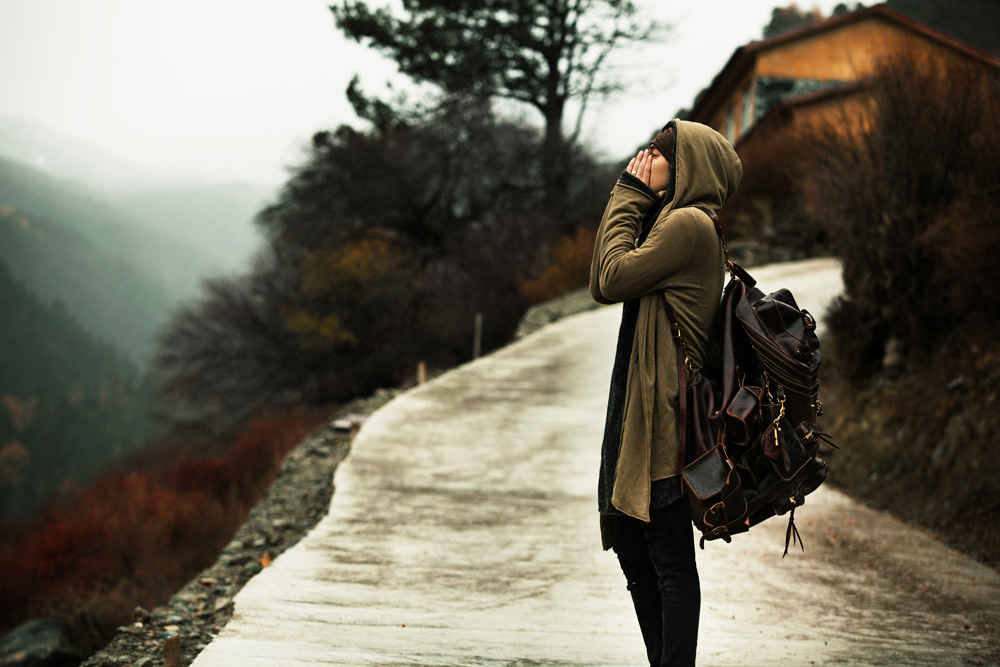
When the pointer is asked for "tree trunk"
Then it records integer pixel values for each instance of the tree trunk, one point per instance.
(555, 162)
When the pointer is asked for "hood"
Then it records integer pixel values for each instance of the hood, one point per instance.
(704, 170)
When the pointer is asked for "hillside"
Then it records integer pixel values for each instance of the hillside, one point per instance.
(176, 266)
(108, 297)
(69, 404)
(217, 219)
(42, 147)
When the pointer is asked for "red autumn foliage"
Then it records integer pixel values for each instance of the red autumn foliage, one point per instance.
(135, 537)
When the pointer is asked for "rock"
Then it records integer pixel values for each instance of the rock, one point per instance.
(253, 567)
(240, 560)
(941, 449)
(320, 449)
(957, 383)
(144, 662)
(40, 642)
(540, 314)
(352, 422)
(140, 615)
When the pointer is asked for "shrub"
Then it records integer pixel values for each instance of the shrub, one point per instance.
(911, 193)
(134, 537)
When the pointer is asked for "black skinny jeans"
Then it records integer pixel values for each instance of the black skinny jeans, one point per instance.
(657, 559)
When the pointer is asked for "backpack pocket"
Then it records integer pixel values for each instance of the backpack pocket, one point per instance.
(784, 448)
(743, 416)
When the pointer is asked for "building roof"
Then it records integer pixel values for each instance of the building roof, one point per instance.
(744, 59)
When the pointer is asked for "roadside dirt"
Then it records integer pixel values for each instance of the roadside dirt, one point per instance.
(924, 446)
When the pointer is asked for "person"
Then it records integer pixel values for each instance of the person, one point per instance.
(653, 245)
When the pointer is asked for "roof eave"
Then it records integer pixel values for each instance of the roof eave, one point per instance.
(745, 56)
(740, 63)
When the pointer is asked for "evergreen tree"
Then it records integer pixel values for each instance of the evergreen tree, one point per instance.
(791, 17)
(543, 53)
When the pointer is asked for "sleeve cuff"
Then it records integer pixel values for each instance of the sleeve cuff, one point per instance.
(633, 181)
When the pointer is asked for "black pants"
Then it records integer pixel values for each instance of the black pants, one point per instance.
(658, 561)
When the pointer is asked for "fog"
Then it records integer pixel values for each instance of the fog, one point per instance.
(228, 90)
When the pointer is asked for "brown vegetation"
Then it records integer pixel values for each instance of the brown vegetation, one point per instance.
(568, 270)
(134, 537)
(892, 189)
(912, 196)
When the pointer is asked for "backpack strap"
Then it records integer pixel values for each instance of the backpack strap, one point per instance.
(718, 228)
(682, 364)
(733, 268)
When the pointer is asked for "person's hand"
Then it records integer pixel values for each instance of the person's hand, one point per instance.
(640, 166)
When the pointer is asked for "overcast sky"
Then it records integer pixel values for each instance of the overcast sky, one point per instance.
(227, 90)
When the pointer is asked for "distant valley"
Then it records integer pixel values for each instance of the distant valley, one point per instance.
(95, 256)
(119, 254)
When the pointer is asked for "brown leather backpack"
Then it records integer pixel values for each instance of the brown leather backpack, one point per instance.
(746, 421)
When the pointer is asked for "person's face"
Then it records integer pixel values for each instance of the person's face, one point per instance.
(659, 173)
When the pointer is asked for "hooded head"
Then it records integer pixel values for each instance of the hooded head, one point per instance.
(704, 167)
(664, 141)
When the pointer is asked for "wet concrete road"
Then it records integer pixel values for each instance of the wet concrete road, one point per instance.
(463, 531)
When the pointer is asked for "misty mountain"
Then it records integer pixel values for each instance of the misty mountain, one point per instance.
(69, 404)
(217, 219)
(60, 154)
(178, 267)
(107, 295)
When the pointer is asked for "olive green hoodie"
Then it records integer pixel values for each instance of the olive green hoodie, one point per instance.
(648, 250)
